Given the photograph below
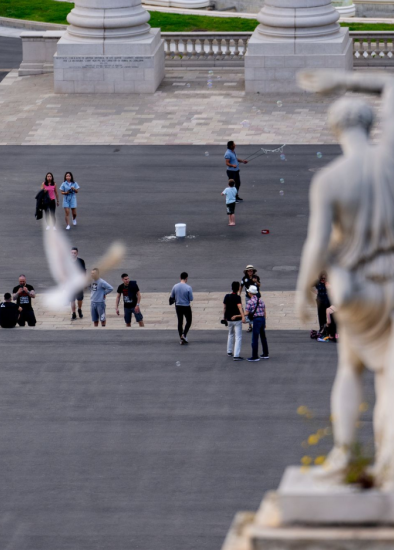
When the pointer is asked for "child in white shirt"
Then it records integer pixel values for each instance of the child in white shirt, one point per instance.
(231, 196)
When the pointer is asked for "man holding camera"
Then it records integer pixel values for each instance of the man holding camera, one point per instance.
(23, 295)
(233, 317)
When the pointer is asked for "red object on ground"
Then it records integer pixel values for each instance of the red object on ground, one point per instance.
(265, 231)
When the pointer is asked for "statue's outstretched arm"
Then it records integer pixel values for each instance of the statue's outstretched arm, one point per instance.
(315, 251)
(326, 81)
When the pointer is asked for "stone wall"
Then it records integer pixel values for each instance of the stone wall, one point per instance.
(251, 6)
(374, 8)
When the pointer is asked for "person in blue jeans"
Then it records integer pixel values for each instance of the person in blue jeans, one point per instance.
(256, 308)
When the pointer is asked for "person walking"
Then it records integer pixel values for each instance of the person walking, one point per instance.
(234, 315)
(98, 292)
(9, 312)
(79, 296)
(23, 295)
(49, 186)
(131, 301)
(69, 188)
(232, 163)
(231, 195)
(250, 278)
(256, 312)
(182, 295)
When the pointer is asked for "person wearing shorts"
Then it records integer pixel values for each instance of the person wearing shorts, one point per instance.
(79, 295)
(98, 292)
(69, 188)
(230, 193)
(131, 301)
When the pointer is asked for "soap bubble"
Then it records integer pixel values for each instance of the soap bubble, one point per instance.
(266, 130)
(319, 155)
(279, 103)
(245, 123)
(254, 108)
(281, 193)
(219, 77)
(210, 72)
(206, 154)
(188, 85)
(178, 363)
(282, 180)
(283, 157)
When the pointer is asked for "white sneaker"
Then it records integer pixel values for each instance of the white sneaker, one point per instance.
(67, 228)
(47, 227)
(74, 222)
(54, 228)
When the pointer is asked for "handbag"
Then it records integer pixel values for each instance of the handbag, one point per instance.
(251, 315)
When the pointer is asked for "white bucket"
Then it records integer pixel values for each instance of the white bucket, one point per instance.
(180, 230)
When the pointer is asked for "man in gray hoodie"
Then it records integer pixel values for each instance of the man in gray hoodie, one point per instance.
(98, 291)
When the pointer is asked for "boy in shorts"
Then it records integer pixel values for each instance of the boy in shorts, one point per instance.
(131, 300)
(231, 196)
(98, 292)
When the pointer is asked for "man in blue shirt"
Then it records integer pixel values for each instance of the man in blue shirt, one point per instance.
(232, 163)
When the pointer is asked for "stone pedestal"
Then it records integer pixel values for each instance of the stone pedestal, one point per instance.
(309, 514)
(294, 35)
(345, 8)
(109, 48)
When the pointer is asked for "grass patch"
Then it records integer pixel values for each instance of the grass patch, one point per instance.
(51, 11)
(368, 26)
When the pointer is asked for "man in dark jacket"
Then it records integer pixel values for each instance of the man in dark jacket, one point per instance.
(9, 312)
(42, 202)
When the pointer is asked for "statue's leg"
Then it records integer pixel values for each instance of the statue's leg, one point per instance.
(346, 393)
(383, 423)
(346, 398)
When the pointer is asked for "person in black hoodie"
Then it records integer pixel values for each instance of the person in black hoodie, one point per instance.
(9, 313)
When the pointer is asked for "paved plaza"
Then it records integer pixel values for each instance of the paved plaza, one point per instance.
(119, 442)
(183, 111)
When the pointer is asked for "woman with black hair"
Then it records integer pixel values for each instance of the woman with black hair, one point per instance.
(49, 186)
(69, 188)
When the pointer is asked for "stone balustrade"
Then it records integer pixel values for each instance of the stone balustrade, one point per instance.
(373, 49)
(205, 49)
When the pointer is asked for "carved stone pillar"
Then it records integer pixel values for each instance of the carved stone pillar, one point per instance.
(292, 35)
(109, 47)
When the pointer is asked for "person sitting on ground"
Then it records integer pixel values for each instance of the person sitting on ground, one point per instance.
(231, 193)
(331, 324)
(250, 278)
(9, 313)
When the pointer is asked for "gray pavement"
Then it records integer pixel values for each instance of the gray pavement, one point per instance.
(10, 54)
(138, 193)
(107, 443)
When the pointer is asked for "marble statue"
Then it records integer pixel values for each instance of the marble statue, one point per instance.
(351, 236)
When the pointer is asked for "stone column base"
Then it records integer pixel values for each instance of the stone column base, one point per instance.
(108, 67)
(346, 11)
(271, 65)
